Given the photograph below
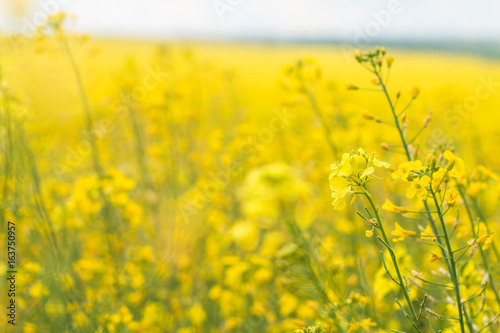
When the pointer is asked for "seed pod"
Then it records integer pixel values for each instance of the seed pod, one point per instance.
(450, 165)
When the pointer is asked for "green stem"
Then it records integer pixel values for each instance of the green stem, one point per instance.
(401, 283)
(453, 269)
(396, 120)
(483, 218)
(109, 216)
(86, 107)
(450, 263)
(483, 255)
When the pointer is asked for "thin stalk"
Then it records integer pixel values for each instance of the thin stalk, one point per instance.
(304, 243)
(401, 283)
(396, 120)
(481, 251)
(450, 263)
(109, 225)
(483, 218)
(453, 270)
(86, 107)
(37, 189)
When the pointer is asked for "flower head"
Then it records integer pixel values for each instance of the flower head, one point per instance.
(352, 171)
(455, 164)
(451, 197)
(428, 234)
(435, 257)
(392, 208)
(438, 177)
(418, 187)
(389, 60)
(414, 92)
(401, 233)
(404, 169)
(483, 236)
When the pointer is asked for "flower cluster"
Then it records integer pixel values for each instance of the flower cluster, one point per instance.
(350, 175)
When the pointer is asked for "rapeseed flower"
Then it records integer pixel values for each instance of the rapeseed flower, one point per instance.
(350, 174)
(392, 208)
(402, 233)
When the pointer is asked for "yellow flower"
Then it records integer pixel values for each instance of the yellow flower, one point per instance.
(474, 188)
(451, 197)
(392, 208)
(455, 164)
(37, 290)
(233, 323)
(438, 178)
(288, 303)
(29, 327)
(435, 257)
(32, 267)
(418, 188)
(368, 115)
(483, 236)
(414, 92)
(246, 234)
(351, 86)
(263, 275)
(340, 188)
(369, 233)
(389, 60)
(428, 234)
(80, 319)
(353, 170)
(342, 168)
(197, 315)
(488, 173)
(405, 168)
(402, 233)
(368, 323)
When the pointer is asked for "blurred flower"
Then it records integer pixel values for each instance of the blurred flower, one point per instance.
(418, 187)
(428, 234)
(434, 257)
(350, 174)
(392, 208)
(401, 233)
(451, 197)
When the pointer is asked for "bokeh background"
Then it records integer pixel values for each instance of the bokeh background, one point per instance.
(166, 162)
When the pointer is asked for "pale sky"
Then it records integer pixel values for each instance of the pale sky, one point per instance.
(454, 20)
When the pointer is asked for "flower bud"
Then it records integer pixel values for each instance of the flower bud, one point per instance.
(450, 164)
(367, 115)
(427, 120)
(384, 146)
(351, 86)
(398, 93)
(414, 92)
(431, 161)
(389, 60)
(357, 55)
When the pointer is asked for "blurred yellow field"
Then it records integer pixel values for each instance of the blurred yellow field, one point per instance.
(188, 187)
